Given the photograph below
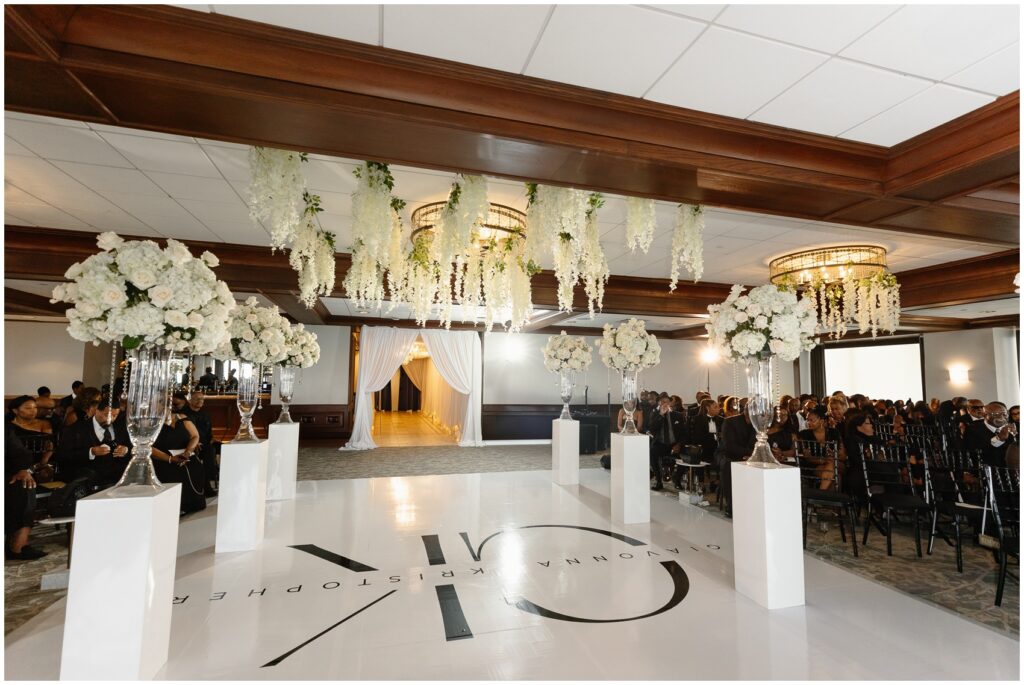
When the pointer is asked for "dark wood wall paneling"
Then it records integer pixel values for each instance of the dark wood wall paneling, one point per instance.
(219, 77)
(530, 421)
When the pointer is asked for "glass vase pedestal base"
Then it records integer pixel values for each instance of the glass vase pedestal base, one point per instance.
(631, 481)
(565, 452)
(767, 534)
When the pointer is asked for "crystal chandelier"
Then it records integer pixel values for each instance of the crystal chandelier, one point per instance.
(502, 223)
(846, 284)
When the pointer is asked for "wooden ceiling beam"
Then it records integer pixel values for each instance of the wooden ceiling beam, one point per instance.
(21, 302)
(223, 78)
(988, 277)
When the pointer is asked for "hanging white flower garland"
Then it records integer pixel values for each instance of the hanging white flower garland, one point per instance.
(640, 223)
(688, 243)
(276, 187)
(312, 255)
(872, 302)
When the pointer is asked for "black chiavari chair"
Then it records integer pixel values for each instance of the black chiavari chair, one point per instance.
(886, 432)
(891, 489)
(819, 485)
(1003, 487)
(954, 502)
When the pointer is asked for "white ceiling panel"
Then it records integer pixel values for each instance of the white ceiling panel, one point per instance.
(43, 180)
(936, 41)
(702, 12)
(41, 288)
(113, 179)
(698, 80)
(45, 215)
(826, 27)
(1007, 307)
(154, 154)
(182, 227)
(924, 111)
(185, 187)
(616, 48)
(323, 175)
(494, 36)
(65, 143)
(352, 22)
(105, 128)
(837, 96)
(217, 212)
(112, 219)
(998, 74)
(244, 233)
(12, 220)
(13, 147)
(231, 162)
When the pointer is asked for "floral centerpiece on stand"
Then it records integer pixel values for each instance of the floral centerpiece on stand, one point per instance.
(154, 302)
(755, 329)
(629, 349)
(258, 337)
(301, 352)
(566, 355)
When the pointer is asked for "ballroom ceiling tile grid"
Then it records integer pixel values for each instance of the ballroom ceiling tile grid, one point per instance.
(872, 73)
(69, 175)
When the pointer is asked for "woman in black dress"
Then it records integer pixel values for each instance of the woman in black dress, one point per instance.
(818, 431)
(860, 436)
(174, 463)
(780, 435)
(36, 435)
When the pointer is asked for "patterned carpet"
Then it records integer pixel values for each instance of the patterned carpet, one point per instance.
(932, 578)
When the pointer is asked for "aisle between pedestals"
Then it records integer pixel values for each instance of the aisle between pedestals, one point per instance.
(631, 481)
(242, 499)
(767, 535)
(117, 624)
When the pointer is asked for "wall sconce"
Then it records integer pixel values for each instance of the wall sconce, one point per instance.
(958, 375)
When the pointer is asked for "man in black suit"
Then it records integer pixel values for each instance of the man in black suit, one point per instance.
(669, 430)
(19, 498)
(208, 380)
(738, 438)
(992, 434)
(97, 447)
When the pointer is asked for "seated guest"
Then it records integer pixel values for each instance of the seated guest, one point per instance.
(819, 431)
(19, 498)
(668, 427)
(1015, 418)
(837, 408)
(80, 406)
(732, 406)
(860, 436)
(707, 428)
(780, 434)
(808, 404)
(192, 408)
(173, 460)
(97, 447)
(65, 402)
(35, 434)
(738, 438)
(638, 418)
(992, 434)
(933, 404)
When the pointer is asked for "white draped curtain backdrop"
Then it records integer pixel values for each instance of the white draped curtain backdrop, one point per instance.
(458, 358)
(381, 352)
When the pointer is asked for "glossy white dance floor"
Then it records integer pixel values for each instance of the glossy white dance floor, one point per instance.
(286, 613)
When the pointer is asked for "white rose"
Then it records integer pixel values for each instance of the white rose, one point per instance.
(143, 278)
(248, 335)
(741, 317)
(108, 241)
(210, 259)
(175, 318)
(112, 297)
(160, 295)
(195, 320)
(761, 321)
(73, 272)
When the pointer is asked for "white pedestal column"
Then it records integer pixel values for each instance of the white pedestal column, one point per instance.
(767, 535)
(283, 460)
(631, 481)
(565, 452)
(242, 500)
(117, 625)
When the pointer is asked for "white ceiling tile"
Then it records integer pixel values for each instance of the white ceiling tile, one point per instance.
(183, 187)
(112, 219)
(233, 163)
(935, 41)
(217, 212)
(418, 188)
(494, 36)
(924, 111)
(46, 182)
(45, 215)
(40, 119)
(755, 70)
(66, 143)
(702, 12)
(828, 28)
(332, 176)
(616, 48)
(146, 206)
(13, 147)
(335, 203)
(12, 220)
(246, 233)
(760, 229)
(656, 266)
(105, 128)
(838, 95)
(510, 194)
(352, 22)
(154, 154)
(106, 178)
(998, 74)
(183, 226)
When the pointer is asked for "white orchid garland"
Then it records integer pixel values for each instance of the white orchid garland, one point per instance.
(872, 302)
(641, 222)
(312, 254)
(276, 188)
(687, 243)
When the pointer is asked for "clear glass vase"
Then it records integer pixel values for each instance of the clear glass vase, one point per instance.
(566, 383)
(759, 407)
(148, 394)
(629, 388)
(289, 379)
(248, 393)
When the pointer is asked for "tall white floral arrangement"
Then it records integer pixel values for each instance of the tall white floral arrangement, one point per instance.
(629, 347)
(258, 334)
(565, 352)
(687, 243)
(301, 348)
(276, 187)
(766, 321)
(641, 222)
(137, 293)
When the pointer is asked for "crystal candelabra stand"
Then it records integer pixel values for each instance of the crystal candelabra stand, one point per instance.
(566, 382)
(289, 378)
(759, 407)
(248, 391)
(629, 385)
(148, 395)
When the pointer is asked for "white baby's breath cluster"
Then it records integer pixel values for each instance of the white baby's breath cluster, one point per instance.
(301, 348)
(137, 293)
(566, 353)
(766, 321)
(258, 334)
(629, 347)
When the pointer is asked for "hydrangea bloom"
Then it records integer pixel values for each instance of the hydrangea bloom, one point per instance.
(566, 353)
(765, 321)
(629, 347)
